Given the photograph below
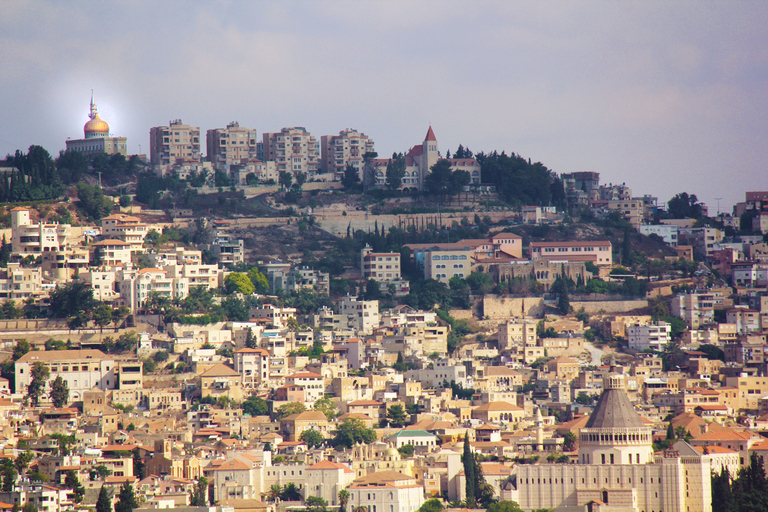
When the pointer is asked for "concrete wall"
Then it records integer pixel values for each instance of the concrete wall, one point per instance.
(495, 306)
(463, 314)
(609, 306)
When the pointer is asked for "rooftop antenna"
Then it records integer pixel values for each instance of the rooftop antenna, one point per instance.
(718, 204)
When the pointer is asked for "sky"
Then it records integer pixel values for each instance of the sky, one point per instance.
(663, 96)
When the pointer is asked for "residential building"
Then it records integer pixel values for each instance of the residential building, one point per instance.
(295, 424)
(82, 370)
(598, 252)
(382, 267)
(227, 249)
(126, 228)
(325, 479)
(313, 384)
(273, 314)
(293, 150)
(173, 144)
(221, 380)
(514, 333)
(137, 286)
(96, 138)
(386, 491)
(29, 239)
(20, 283)
(111, 253)
(653, 336)
(667, 232)
(231, 145)
(253, 365)
(746, 320)
(366, 312)
(445, 261)
(347, 148)
(695, 308)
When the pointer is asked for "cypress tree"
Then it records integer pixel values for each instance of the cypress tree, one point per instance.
(103, 503)
(670, 432)
(468, 459)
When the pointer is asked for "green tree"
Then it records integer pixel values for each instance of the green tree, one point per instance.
(327, 407)
(104, 502)
(312, 438)
(255, 406)
(395, 171)
(286, 410)
(351, 432)
(504, 506)
(344, 497)
(468, 461)
(438, 181)
(198, 497)
(239, 282)
(285, 179)
(684, 206)
(102, 316)
(40, 374)
(72, 482)
(316, 504)
(69, 300)
(351, 179)
(670, 432)
(139, 469)
(8, 471)
(396, 416)
(290, 492)
(259, 280)
(93, 202)
(126, 499)
(22, 461)
(569, 441)
(59, 392)
(432, 505)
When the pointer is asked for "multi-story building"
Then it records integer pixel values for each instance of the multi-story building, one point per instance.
(383, 267)
(102, 283)
(597, 252)
(365, 311)
(293, 150)
(20, 283)
(746, 320)
(654, 336)
(96, 138)
(136, 286)
(29, 239)
(667, 232)
(545, 271)
(231, 145)
(313, 384)
(82, 370)
(695, 308)
(386, 491)
(173, 144)
(253, 365)
(126, 228)
(347, 148)
(273, 314)
(703, 240)
(228, 249)
(111, 252)
(514, 333)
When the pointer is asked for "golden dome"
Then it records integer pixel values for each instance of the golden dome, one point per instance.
(96, 127)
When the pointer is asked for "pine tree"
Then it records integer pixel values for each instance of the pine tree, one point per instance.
(104, 502)
(126, 499)
(468, 460)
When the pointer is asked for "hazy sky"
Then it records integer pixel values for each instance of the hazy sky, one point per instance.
(664, 96)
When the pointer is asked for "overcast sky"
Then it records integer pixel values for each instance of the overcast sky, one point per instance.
(663, 96)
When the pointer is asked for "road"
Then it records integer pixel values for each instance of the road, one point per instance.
(595, 352)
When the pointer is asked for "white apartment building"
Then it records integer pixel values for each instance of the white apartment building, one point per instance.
(516, 333)
(253, 365)
(19, 283)
(348, 147)
(598, 251)
(112, 252)
(386, 491)
(365, 311)
(137, 285)
(746, 320)
(208, 276)
(273, 314)
(172, 144)
(313, 384)
(126, 228)
(383, 267)
(32, 239)
(176, 256)
(82, 370)
(667, 232)
(293, 150)
(654, 336)
(696, 309)
(231, 145)
(441, 371)
(102, 283)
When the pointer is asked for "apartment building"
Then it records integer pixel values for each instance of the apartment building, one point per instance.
(746, 320)
(137, 285)
(253, 365)
(667, 232)
(173, 144)
(29, 239)
(193, 275)
(383, 267)
(598, 252)
(703, 240)
(19, 283)
(112, 252)
(293, 150)
(103, 283)
(365, 311)
(313, 384)
(231, 145)
(696, 309)
(228, 249)
(515, 333)
(63, 265)
(347, 148)
(273, 314)
(126, 228)
(653, 336)
(176, 256)
(82, 370)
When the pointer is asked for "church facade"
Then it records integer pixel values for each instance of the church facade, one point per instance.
(617, 469)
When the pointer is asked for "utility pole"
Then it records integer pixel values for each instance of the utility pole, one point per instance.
(718, 205)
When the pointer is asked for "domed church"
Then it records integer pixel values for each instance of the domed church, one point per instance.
(96, 137)
(617, 469)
